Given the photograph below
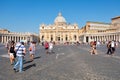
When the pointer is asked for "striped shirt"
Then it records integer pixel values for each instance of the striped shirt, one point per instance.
(19, 48)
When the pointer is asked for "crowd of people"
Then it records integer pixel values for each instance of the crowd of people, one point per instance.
(17, 51)
(111, 47)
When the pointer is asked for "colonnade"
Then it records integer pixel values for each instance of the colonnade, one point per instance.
(102, 37)
(5, 38)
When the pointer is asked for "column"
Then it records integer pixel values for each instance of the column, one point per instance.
(2, 38)
(119, 38)
(63, 37)
(6, 38)
(17, 38)
(113, 37)
(10, 37)
(95, 38)
(84, 40)
(27, 38)
(50, 37)
(68, 36)
(77, 37)
(89, 38)
(102, 38)
(53, 36)
(108, 37)
(20, 38)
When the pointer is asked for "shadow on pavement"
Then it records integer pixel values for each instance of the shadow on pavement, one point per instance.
(29, 66)
(37, 57)
(27, 62)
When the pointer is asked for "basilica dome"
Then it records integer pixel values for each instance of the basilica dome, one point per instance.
(60, 19)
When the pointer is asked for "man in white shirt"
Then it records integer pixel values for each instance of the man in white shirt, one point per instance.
(21, 51)
(50, 47)
(113, 47)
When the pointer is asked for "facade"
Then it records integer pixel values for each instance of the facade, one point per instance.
(96, 31)
(62, 32)
(6, 36)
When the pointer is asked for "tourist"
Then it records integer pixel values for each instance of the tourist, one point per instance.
(113, 47)
(21, 51)
(12, 53)
(32, 49)
(93, 47)
(109, 52)
(46, 45)
(51, 47)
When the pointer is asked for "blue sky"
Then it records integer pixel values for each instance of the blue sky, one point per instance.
(27, 15)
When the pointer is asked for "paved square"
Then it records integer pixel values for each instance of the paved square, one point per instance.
(68, 62)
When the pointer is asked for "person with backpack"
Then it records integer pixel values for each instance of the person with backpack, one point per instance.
(93, 47)
(20, 52)
(109, 52)
(32, 49)
(46, 45)
(12, 52)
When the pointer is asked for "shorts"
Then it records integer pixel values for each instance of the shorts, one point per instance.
(11, 55)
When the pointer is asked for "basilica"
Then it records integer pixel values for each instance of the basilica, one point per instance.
(60, 31)
(63, 32)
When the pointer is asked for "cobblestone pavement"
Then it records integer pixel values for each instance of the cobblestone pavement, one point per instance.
(68, 62)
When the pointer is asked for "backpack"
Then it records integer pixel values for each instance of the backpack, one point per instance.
(30, 48)
(46, 45)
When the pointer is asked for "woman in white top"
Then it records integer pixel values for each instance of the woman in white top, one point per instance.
(50, 47)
